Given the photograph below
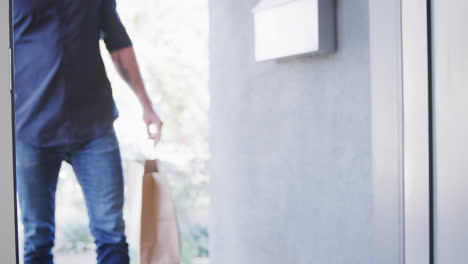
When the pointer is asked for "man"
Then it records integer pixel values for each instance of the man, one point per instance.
(65, 112)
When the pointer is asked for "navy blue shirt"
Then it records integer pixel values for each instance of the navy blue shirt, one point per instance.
(62, 93)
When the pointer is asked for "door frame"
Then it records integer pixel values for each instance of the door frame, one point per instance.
(401, 130)
(417, 124)
(8, 239)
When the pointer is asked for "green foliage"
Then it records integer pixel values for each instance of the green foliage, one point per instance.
(171, 42)
(76, 237)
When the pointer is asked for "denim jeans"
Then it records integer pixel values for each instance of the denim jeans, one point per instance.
(97, 165)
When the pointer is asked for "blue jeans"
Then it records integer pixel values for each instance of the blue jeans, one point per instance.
(97, 165)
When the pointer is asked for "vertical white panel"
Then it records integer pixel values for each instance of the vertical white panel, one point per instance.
(387, 129)
(450, 75)
(416, 130)
(7, 224)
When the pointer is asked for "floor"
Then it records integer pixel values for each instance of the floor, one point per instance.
(73, 258)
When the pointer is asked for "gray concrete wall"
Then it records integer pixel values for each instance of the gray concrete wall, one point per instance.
(290, 142)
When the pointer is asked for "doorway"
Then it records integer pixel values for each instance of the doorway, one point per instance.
(171, 42)
(435, 128)
(450, 129)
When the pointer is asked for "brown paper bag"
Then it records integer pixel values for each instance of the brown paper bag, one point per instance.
(160, 237)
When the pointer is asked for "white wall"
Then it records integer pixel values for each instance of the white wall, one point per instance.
(291, 143)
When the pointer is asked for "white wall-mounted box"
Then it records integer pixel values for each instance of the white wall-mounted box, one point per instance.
(285, 28)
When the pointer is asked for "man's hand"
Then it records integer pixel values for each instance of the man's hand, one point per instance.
(153, 125)
(126, 63)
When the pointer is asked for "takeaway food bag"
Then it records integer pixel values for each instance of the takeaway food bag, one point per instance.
(160, 241)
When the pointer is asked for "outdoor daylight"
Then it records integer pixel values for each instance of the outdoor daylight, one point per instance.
(171, 44)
